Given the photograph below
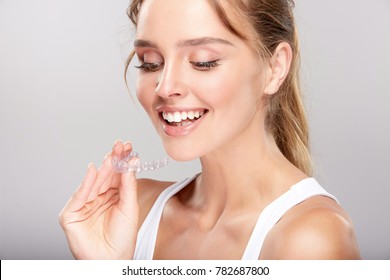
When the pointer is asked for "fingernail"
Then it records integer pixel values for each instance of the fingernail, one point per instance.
(116, 142)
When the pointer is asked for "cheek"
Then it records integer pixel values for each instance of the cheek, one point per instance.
(144, 92)
(230, 89)
(215, 89)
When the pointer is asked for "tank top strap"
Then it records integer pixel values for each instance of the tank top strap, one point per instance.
(275, 210)
(147, 234)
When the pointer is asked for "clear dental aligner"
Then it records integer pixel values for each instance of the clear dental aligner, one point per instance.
(125, 164)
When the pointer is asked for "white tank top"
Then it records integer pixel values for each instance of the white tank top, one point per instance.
(270, 215)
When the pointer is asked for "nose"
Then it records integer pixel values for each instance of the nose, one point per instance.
(170, 83)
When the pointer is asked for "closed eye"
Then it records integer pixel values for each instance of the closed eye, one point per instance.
(206, 65)
(150, 66)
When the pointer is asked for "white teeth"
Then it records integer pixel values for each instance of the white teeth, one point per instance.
(190, 115)
(170, 118)
(178, 117)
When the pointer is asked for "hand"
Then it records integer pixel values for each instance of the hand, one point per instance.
(100, 220)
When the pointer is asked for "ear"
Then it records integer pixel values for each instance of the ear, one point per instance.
(278, 68)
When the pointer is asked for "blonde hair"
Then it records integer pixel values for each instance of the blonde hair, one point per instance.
(268, 23)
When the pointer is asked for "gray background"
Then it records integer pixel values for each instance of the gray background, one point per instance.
(63, 103)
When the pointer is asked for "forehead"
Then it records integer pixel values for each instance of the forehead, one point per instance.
(179, 19)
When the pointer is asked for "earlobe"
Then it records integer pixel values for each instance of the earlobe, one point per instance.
(279, 68)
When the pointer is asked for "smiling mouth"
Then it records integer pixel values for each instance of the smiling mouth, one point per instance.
(182, 118)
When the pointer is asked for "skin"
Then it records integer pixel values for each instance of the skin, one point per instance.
(242, 168)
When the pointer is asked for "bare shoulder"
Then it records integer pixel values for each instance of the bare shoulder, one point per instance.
(317, 228)
(148, 192)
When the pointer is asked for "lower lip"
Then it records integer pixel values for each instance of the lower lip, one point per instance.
(180, 130)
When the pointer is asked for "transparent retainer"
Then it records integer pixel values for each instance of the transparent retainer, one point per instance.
(125, 164)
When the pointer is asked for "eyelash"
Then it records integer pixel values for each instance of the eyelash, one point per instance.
(205, 66)
(201, 66)
(149, 67)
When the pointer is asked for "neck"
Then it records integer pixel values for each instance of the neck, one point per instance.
(237, 173)
(238, 178)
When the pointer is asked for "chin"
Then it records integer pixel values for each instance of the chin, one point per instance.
(182, 154)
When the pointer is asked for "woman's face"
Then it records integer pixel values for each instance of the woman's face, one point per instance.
(200, 84)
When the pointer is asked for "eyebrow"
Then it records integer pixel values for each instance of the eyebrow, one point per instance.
(203, 41)
(185, 43)
(144, 44)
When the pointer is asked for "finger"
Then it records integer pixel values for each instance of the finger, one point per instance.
(79, 198)
(128, 200)
(102, 176)
(127, 146)
(118, 151)
(112, 180)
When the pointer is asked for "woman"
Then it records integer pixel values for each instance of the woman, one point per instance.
(219, 80)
